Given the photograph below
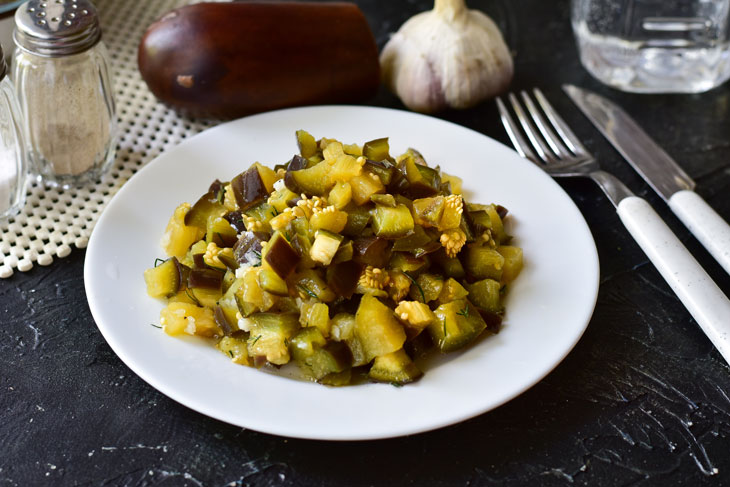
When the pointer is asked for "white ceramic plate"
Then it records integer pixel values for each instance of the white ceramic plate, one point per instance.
(548, 307)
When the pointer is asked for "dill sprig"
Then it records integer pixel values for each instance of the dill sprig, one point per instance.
(308, 291)
(256, 339)
(257, 254)
(192, 296)
(464, 312)
(159, 261)
(423, 296)
(156, 326)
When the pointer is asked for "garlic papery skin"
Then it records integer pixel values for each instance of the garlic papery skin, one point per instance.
(449, 57)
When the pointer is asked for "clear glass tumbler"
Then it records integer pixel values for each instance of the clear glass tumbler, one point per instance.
(654, 46)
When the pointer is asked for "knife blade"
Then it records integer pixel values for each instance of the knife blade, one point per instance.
(658, 169)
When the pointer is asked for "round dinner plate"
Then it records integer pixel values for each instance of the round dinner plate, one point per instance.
(548, 306)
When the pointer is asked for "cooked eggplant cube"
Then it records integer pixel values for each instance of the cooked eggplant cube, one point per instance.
(483, 263)
(377, 328)
(451, 266)
(272, 283)
(384, 199)
(383, 169)
(498, 231)
(235, 218)
(314, 180)
(457, 324)
(418, 239)
(164, 280)
(220, 231)
(307, 144)
(205, 279)
(235, 348)
(512, 262)
(392, 222)
(247, 251)
(372, 251)
(485, 294)
(396, 368)
(428, 211)
(281, 256)
(208, 205)
(270, 334)
(325, 247)
(343, 278)
(248, 188)
(305, 342)
(377, 150)
(358, 218)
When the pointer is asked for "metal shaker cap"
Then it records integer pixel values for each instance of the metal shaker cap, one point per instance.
(56, 28)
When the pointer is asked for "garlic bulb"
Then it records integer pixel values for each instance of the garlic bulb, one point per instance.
(449, 57)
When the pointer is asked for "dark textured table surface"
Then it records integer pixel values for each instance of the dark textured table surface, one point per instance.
(643, 399)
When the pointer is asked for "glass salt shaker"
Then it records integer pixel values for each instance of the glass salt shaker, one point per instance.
(12, 148)
(61, 72)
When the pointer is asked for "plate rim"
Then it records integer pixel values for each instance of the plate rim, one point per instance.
(200, 406)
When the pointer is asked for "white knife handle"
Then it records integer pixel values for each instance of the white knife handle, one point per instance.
(697, 291)
(709, 227)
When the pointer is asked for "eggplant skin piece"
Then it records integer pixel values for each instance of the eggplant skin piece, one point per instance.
(231, 59)
(248, 188)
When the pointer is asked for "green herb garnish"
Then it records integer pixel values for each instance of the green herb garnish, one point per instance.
(258, 337)
(307, 290)
(258, 256)
(464, 312)
(192, 296)
(274, 211)
(423, 296)
(159, 261)
(156, 326)
(396, 384)
(230, 352)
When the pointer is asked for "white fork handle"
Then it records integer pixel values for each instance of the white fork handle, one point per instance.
(709, 227)
(697, 291)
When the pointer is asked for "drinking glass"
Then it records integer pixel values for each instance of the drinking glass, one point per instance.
(654, 46)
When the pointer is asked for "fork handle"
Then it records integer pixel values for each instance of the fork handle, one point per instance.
(704, 222)
(689, 281)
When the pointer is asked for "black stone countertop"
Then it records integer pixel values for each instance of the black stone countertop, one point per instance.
(643, 399)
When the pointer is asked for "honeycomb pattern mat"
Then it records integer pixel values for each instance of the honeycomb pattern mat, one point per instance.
(53, 220)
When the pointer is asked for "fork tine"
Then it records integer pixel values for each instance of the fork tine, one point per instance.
(513, 131)
(540, 146)
(548, 133)
(560, 126)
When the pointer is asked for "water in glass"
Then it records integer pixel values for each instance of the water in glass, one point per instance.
(654, 46)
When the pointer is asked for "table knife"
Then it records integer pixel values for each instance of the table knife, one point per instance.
(659, 170)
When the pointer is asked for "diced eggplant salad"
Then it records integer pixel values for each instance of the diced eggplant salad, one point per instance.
(345, 260)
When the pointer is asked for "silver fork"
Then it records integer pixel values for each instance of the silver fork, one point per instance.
(554, 147)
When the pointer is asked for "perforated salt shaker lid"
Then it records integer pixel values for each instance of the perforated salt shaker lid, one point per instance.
(56, 27)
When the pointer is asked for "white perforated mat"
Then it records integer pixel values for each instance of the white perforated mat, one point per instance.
(54, 221)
